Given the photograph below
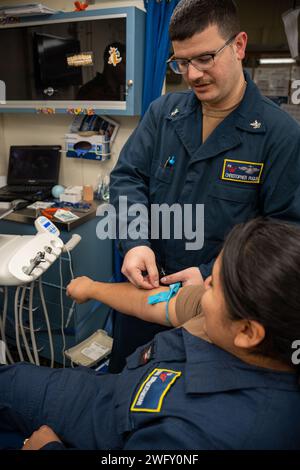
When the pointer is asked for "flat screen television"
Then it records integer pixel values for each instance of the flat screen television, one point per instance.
(51, 66)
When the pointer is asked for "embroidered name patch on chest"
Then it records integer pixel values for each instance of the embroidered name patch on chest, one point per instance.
(153, 390)
(242, 172)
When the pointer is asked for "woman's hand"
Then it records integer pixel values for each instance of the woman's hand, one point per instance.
(80, 289)
(43, 436)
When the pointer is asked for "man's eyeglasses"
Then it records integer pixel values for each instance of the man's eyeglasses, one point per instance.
(201, 63)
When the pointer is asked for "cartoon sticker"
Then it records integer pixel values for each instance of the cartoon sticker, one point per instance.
(114, 56)
(45, 110)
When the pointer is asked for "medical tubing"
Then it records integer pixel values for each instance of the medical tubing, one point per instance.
(70, 262)
(26, 345)
(1, 329)
(45, 311)
(1, 336)
(62, 313)
(72, 308)
(17, 332)
(71, 311)
(31, 326)
(3, 325)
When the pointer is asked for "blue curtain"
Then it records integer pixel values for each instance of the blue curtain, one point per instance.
(157, 47)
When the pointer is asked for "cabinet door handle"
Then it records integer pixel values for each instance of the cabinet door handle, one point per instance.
(128, 85)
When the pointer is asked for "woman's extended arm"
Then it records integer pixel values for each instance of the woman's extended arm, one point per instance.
(125, 298)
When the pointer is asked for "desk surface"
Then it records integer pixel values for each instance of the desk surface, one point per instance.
(27, 216)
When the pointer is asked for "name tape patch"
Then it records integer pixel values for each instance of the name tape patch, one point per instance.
(242, 172)
(153, 390)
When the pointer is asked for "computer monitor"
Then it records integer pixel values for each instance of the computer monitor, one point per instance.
(34, 164)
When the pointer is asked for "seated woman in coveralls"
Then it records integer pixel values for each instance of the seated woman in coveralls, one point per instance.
(226, 379)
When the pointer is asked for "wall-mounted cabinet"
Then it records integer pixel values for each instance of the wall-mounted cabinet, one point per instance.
(61, 62)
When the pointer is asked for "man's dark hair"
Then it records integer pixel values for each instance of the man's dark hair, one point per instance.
(260, 277)
(194, 16)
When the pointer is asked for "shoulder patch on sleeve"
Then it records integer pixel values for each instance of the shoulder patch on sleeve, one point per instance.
(150, 395)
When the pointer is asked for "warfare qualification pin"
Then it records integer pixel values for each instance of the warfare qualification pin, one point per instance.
(256, 124)
(176, 111)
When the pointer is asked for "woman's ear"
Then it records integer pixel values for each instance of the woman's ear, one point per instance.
(250, 333)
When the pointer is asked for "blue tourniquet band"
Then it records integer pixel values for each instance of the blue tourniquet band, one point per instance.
(165, 297)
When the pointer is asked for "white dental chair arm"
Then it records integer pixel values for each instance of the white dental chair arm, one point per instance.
(23, 258)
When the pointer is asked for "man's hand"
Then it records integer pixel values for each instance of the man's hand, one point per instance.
(80, 289)
(40, 438)
(188, 277)
(138, 260)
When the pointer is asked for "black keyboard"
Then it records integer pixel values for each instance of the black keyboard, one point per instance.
(24, 189)
(35, 193)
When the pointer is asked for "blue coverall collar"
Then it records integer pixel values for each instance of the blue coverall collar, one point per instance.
(210, 369)
(188, 124)
(249, 110)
